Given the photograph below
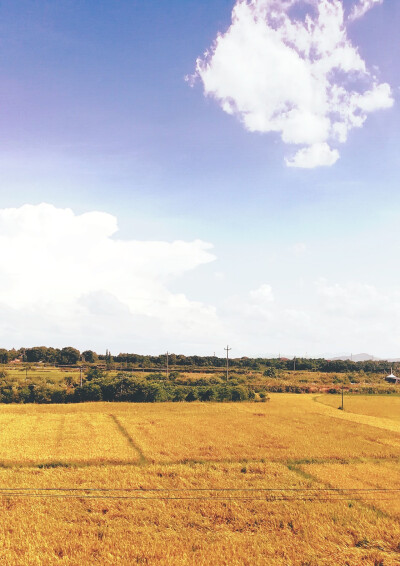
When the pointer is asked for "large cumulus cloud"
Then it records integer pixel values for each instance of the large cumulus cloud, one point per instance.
(288, 66)
(65, 276)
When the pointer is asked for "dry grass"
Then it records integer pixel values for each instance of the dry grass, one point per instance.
(383, 406)
(54, 435)
(365, 476)
(102, 531)
(177, 432)
(291, 443)
(278, 430)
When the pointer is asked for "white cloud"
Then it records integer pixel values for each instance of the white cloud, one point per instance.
(375, 99)
(263, 295)
(358, 316)
(317, 155)
(257, 304)
(356, 301)
(301, 78)
(65, 273)
(316, 317)
(67, 279)
(362, 8)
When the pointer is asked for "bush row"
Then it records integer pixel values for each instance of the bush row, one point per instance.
(121, 388)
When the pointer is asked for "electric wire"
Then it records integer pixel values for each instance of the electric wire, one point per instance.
(215, 489)
(329, 494)
(181, 498)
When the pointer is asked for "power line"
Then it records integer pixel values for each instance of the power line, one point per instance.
(198, 498)
(266, 494)
(201, 489)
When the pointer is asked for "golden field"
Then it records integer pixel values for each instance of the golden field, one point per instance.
(291, 481)
(388, 406)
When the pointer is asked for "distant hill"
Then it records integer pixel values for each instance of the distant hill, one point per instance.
(357, 358)
(365, 358)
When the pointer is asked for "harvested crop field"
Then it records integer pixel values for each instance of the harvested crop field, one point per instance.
(290, 481)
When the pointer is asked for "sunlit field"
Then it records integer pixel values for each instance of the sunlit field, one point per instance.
(363, 476)
(385, 406)
(290, 481)
(32, 436)
(288, 427)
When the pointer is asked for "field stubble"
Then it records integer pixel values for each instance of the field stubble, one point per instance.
(291, 444)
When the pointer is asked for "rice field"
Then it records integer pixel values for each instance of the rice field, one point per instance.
(64, 437)
(291, 481)
(385, 406)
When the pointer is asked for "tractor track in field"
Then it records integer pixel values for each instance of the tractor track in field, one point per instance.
(142, 458)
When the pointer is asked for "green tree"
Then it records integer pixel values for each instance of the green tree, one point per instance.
(192, 395)
(90, 357)
(3, 356)
(88, 392)
(36, 354)
(95, 373)
(68, 356)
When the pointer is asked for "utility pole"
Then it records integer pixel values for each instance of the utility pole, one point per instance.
(227, 361)
(167, 365)
(342, 398)
(294, 363)
(80, 372)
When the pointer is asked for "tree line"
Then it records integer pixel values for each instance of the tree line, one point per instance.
(72, 356)
(102, 386)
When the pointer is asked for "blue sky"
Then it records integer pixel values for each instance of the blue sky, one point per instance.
(96, 116)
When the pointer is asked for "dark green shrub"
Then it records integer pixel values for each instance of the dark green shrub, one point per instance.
(192, 395)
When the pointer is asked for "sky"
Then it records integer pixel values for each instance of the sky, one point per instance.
(185, 175)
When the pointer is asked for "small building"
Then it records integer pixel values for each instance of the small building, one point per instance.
(392, 378)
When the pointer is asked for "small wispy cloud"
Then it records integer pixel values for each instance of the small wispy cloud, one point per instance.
(300, 76)
(363, 6)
